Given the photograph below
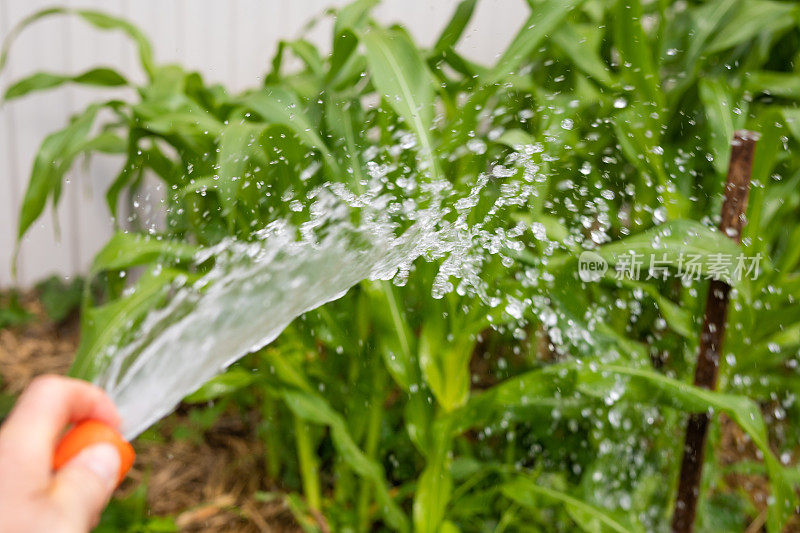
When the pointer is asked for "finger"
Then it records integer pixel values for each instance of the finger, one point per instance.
(82, 487)
(33, 427)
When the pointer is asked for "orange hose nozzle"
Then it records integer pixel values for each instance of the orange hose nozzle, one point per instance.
(88, 433)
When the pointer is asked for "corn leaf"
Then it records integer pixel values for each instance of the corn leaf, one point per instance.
(125, 250)
(675, 242)
(649, 386)
(455, 27)
(592, 519)
(544, 19)
(783, 84)
(54, 158)
(313, 408)
(435, 484)
(236, 146)
(103, 327)
(751, 18)
(723, 119)
(233, 380)
(99, 20)
(279, 106)
(403, 80)
(580, 51)
(40, 81)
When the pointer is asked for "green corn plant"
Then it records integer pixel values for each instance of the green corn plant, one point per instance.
(391, 410)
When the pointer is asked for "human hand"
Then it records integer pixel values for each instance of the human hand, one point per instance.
(35, 499)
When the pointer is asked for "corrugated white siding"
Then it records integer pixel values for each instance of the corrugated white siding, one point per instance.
(229, 41)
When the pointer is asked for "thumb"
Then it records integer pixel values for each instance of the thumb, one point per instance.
(83, 486)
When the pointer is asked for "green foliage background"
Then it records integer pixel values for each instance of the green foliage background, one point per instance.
(389, 410)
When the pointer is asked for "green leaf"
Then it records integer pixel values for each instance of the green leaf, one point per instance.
(679, 319)
(236, 146)
(125, 250)
(304, 50)
(402, 78)
(530, 390)
(704, 21)
(7, 402)
(591, 518)
(313, 408)
(639, 137)
(103, 327)
(674, 243)
(445, 365)
(58, 298)
(138, 160)
(638, 65)
(231, 381)
(98, 19)
(100, 77)
(341, 58)
(771, 131)
(280, 106)
(397, 346)
(583, 52)
(782, 84)
(650, 387)
(751, 18)
(792, 117)
(455, 27)
(516, 138)
(12, 313)
(722, 118)
(545, 18)
(106, 142)
(344, 64)
(54, 158)
(353, 16)
(435, 485)
(190, 121)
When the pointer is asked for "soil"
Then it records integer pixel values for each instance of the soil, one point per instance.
(207, 484)
(213, 483)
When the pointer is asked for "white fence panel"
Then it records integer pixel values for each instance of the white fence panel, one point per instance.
(228, 41)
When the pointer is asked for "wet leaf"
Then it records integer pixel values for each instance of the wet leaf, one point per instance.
(231, 381)
(403, 80)
(455, 27)
(103, 327)
(590, 518)
(125, 250)
(544, 19)
(314, 409)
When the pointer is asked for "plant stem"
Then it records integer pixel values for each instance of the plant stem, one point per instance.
(371, 444)
(736, 192)
(397, 319)
(309, 468)
(272, 459)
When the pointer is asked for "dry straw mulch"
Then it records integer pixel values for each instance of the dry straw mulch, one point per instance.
(206, 484)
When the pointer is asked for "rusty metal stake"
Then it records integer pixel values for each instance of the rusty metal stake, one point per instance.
(734, 207)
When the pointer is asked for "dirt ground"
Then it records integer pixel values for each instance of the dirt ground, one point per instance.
(211, 484)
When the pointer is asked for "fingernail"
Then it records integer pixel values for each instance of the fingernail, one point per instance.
(103, 460)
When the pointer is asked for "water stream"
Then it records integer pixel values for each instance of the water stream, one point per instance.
(256, 288)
